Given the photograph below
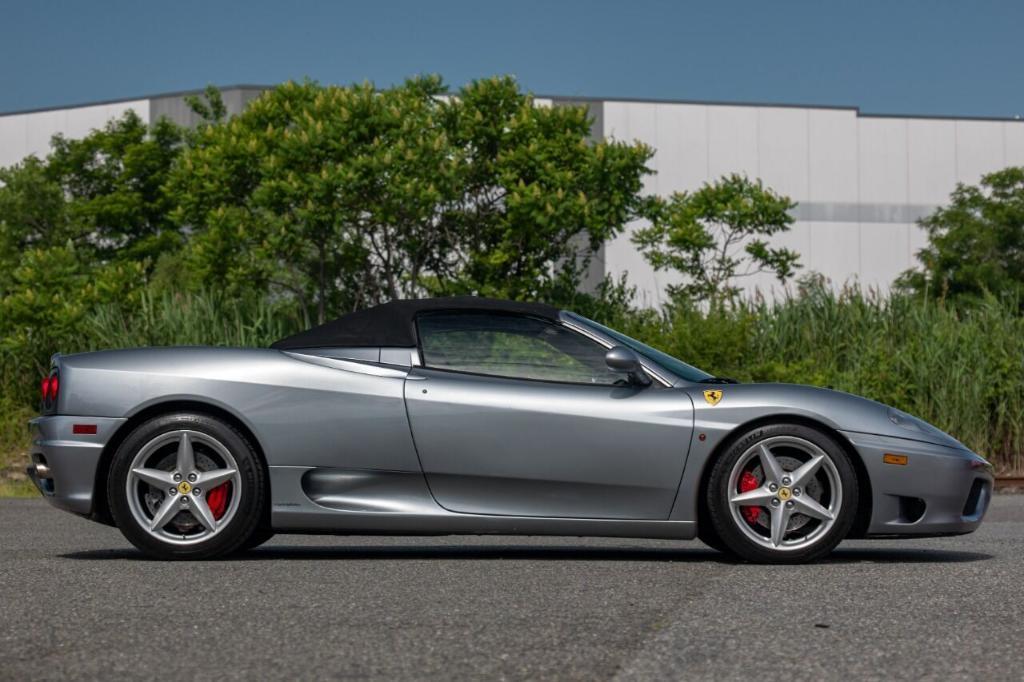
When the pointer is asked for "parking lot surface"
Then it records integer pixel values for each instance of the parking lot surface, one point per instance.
(77, 601)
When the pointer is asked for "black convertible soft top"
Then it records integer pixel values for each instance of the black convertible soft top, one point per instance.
(393, 324)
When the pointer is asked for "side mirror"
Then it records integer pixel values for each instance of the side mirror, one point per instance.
(622, 359)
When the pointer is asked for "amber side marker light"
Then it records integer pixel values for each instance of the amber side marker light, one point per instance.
(890, 458)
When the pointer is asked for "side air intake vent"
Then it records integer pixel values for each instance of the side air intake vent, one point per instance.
(911, 509)
(977, 500)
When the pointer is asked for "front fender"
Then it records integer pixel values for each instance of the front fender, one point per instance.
(742, 405)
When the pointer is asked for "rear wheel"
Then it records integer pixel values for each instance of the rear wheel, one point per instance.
(186, 486)
(782, 493)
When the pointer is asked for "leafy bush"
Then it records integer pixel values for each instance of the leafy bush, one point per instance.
(716, 235)
(976, 243)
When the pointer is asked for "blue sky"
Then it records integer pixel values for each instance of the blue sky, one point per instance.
(955, 58)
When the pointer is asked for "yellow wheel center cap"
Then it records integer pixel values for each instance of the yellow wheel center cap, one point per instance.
(785, 494)
(184, 488)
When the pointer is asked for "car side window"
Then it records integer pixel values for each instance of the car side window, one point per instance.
(512, 346)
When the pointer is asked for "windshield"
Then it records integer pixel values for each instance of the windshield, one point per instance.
(677, 367)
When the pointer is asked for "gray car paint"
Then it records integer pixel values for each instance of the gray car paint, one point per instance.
(73, 457)
(337, 429)
(311, 412)
(532, 448)
(851, 418)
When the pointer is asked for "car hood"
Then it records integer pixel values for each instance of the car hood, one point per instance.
(741, 403)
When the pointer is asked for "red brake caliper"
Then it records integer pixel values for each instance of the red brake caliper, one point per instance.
(217, 499)
(748, 482)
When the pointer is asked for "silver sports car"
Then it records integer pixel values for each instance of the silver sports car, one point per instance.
(471, 415)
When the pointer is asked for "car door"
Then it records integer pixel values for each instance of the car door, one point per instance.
(515, 415)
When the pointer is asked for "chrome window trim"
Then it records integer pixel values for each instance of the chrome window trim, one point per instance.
(654, 370)
(357, 366)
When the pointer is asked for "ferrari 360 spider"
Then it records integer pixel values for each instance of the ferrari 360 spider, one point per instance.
(471, 415)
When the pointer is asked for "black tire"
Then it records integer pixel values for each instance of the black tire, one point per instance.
(259, 536)
(724, 527)
(248, 517)
(706, 534)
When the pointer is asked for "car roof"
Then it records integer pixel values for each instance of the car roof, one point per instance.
(393, 324)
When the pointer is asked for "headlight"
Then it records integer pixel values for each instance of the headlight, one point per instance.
(925, 430)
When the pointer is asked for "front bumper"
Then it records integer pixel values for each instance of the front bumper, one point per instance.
(939, 491)
(64, 463)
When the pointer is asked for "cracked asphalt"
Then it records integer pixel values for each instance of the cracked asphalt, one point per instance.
(78, 602)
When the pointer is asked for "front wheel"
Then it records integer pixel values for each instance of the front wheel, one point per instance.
(782, 493)
(186, 486)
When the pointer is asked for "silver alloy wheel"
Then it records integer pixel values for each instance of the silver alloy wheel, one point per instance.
(183, 487)
(786, 494)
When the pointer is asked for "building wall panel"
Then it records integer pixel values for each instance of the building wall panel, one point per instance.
(882, 145)
(732, 141)
(835, 252)
(25, 134)
(14, 138)
(681, 154)
(884, 253)
(932, 160)
(629, 122)
(782, 144)
(1013, 134)
(979, 149)
(832, 155)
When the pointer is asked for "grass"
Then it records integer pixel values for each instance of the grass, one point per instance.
(17, 488)
(960, 368)
(14, 446)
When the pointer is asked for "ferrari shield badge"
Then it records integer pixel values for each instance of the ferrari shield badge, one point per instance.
(713, 396)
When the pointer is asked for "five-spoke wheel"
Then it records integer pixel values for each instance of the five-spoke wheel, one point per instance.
(188, 486)
(183, 486)
(780, 493)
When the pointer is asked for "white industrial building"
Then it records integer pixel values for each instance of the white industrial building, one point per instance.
(861, 181)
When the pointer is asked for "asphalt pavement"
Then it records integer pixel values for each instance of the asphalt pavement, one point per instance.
(78, 602)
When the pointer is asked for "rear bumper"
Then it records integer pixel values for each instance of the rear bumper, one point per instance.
(64, 463)
(939, 491)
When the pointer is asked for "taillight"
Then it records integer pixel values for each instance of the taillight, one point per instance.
(49, 387)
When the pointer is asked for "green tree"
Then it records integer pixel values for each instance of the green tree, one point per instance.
(83, 226)
(347, 196)
(537, 197)
(976, 243)
(209, 106)
(104, 193)
(51, 293)
(32, 215)
(716, 235)
(113, 180)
